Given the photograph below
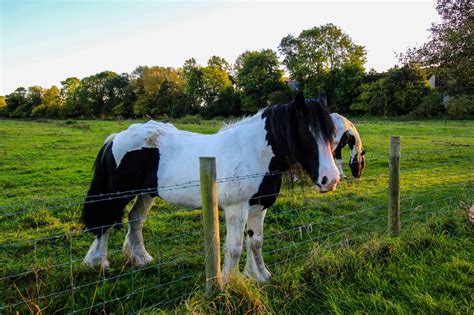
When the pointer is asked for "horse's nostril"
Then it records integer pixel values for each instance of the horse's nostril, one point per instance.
(324, 181)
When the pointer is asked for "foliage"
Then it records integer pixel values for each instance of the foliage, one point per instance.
(461, 106)
(69, 96)
(258, 75)
(154, 88)
(324, 59)
(399, 92)
(205, 83)
(3, 106)
(448, 53)
(431, 105)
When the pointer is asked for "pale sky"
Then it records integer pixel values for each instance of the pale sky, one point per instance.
(45, 42)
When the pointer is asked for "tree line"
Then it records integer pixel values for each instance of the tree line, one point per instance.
(320, 59)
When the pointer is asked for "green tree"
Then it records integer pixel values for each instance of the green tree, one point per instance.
(193, 78)
(94, 94)
(399, 92)
(258, 75)
(147, 84)
(206, 85)
(21, 102)
(51, 104)
(325, 59)
(69, 97)
(219, 62)
(449, 52)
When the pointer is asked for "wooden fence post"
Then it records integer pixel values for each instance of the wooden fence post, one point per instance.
(207, 170)
(394, 187)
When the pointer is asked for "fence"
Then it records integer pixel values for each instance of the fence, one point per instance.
(44, 271)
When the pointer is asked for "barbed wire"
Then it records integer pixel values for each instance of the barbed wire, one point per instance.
(419, 208)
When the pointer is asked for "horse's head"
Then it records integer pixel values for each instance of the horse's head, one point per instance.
(357, 163)
(315, 132)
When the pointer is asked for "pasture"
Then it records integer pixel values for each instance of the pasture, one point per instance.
(327, 252)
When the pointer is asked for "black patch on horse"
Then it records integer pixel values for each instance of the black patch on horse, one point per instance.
(342, 143)
(113, 187)
(288, 134)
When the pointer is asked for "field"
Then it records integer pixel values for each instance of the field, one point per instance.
(328, 253)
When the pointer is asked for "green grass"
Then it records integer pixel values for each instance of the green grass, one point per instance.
(42, 163)
(429, 269)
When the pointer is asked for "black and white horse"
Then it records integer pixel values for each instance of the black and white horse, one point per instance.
(157, 155)
(346, 134)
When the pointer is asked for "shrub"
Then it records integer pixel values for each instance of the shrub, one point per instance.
(461, 106)
(191, 119)
(430, 105)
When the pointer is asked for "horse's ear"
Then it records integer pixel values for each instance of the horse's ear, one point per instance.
(323, 99)
(300, 101)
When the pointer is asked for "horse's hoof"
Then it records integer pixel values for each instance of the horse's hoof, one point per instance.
(139, 260)
(266, 275)
(96, 262)
(258, 276)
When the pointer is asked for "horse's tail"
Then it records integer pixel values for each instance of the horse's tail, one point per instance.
(104, 204)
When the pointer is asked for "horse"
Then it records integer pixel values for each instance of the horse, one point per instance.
(153, 156)
(346, 134)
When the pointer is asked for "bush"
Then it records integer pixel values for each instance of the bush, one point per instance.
(461, 106)
(430, 105)
(191, 119)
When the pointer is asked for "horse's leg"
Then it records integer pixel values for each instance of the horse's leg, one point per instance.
(97, 254)
(255, 267)
(338, 160)
(133, 246)
(235, 219)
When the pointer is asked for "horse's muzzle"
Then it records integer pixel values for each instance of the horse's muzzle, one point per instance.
(326, 185)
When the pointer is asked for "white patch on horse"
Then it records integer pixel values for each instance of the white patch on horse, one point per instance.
(97, 253)
(138, 136)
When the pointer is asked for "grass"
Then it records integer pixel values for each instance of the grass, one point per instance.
(429, 269)
(327, 252)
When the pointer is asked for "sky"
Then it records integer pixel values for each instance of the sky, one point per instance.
(44, 42)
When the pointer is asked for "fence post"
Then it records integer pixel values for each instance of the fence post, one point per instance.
(207, 170)
(394, 187)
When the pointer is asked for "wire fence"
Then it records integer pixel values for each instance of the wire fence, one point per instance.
(44, 245)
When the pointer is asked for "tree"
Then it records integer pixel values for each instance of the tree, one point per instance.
(15, 101)
(51, 103)
(69, 96)
(219, 62)
(324, 59)
(3, 106)
(205, 85)
(449, 51)
(21, 102)
(146, 84)
(258, 75)
(399, 92)
(95, 95)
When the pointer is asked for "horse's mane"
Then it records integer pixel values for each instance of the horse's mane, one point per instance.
(320, 117)
(283, 126)
(238, 121)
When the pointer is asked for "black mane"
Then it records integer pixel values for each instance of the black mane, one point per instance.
(287, 128)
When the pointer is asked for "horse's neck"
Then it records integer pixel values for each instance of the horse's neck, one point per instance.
(357, 141)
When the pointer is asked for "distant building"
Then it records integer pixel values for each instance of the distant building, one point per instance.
(434, 82)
